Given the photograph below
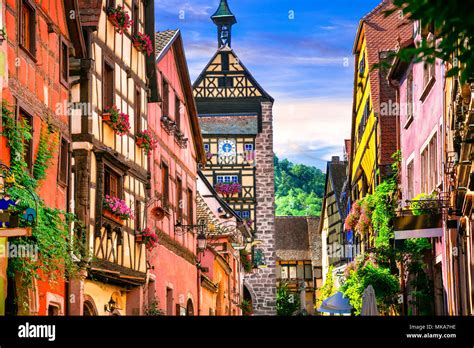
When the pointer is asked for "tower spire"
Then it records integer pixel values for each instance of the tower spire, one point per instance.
(224, 19)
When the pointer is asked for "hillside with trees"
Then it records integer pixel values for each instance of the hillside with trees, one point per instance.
(299, 189)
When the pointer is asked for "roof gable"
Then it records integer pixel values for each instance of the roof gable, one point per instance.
(225, 76)
(170, 43)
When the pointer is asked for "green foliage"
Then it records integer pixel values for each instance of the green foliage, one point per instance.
(418, 207)
(286, 302)
(246, 260)
(454, 26)
(328, 289)
(299, 189)
(50, 234)
(385, 284)
(46, 150)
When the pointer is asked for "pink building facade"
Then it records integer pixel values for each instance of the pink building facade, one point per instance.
(174, 275)
(420, 102)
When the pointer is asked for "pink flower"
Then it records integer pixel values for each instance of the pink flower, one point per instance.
(117, 207)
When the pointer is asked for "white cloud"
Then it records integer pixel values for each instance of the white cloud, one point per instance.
(196, 9)
(313, 129)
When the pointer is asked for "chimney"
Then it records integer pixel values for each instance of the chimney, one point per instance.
(335, 159)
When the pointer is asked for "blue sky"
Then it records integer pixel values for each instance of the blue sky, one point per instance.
(300, 51)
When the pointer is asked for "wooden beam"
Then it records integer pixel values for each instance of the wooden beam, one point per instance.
(15, 232)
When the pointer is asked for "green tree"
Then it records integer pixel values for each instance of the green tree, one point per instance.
(454, 26)
(299, 189)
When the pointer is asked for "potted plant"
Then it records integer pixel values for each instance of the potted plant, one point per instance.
(147, 141)
(116, 209)
(119, 121)
(142, 43)
(246, 307)
(119, 18)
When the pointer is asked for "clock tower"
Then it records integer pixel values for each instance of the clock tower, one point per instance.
(235, 115)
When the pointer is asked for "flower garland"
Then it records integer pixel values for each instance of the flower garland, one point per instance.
(119, 18)
(119, 121)
(117, 207)
(147, 141)
(142, 42)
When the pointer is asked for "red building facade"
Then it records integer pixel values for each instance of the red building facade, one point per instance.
(36, 87)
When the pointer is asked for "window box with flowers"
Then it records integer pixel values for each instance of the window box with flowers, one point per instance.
(147, 141)
(228, 189)
(119, 18)
(116, 209)
(148, 237)
(119, 121)
(142, 43)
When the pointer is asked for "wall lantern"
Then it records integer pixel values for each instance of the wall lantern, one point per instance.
(201, 242)
(110, 306)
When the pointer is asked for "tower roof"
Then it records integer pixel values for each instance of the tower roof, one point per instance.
(224, 13)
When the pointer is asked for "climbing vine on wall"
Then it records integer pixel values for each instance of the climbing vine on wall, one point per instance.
(51, 236)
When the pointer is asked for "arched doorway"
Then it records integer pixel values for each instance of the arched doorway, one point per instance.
(89, 308)
(190, 308)
(247, 303)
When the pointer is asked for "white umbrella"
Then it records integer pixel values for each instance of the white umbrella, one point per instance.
(369, 302)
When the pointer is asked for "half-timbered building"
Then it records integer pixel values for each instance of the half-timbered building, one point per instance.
(110, 168)
(235, 114)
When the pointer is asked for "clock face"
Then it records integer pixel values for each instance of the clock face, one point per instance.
(227, 147)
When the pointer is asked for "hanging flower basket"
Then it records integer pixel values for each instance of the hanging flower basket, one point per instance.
(149, 238)
(142, 43)
(147, 141)
(118, 121)
(117, 208)
(119, 18)
(228, 190)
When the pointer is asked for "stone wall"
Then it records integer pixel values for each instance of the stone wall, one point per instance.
(262, 285)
